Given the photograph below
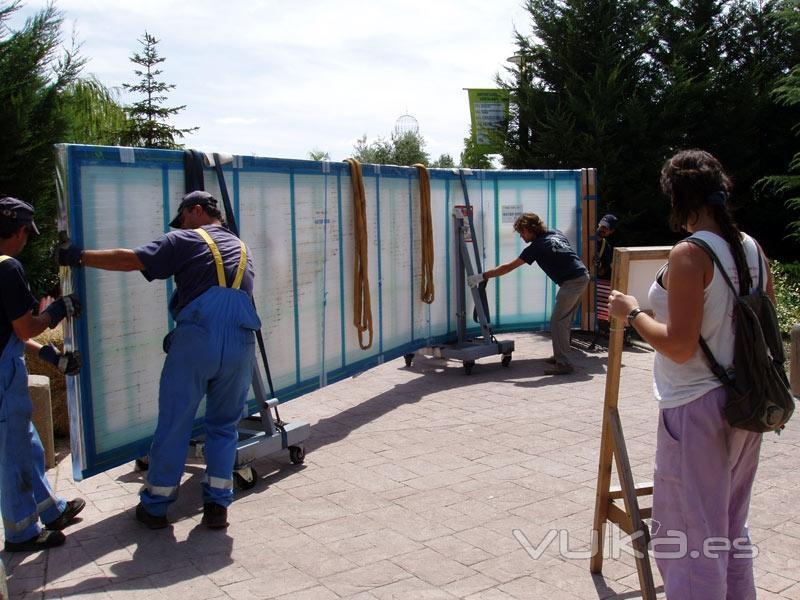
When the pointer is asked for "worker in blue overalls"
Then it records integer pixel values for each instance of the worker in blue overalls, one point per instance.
(26, 494)
(211, 351)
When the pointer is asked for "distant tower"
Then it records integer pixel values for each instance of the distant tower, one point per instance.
(406, 124)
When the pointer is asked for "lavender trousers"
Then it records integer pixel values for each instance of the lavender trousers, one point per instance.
(704, 474)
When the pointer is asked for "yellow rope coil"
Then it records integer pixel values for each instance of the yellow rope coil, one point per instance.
(362, 308)
(427, 290)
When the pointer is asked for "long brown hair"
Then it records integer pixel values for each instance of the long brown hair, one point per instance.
(690, 179)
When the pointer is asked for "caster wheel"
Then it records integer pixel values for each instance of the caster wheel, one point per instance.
(245, 478)
(143, 463)
(468, 364)
(409, 359)
(297, 454)
(506, 360)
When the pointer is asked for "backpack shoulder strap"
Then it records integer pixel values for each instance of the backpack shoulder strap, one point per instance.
(713, 256)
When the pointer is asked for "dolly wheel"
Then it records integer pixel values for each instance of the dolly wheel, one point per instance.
(468, 364)
(409, 359)
(506, 360)
(245, 478)
(143, 463)
(297, 454)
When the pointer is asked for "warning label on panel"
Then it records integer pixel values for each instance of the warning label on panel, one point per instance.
(510, 212)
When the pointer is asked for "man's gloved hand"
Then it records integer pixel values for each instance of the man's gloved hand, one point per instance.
(66, 306)
(475, 280)
(69, 255)
(68, 363)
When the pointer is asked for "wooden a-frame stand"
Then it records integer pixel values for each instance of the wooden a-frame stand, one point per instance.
(612, 444)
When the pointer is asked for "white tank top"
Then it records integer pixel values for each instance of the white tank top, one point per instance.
(677, 384)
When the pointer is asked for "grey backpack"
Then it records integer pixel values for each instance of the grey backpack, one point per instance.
(759, 396)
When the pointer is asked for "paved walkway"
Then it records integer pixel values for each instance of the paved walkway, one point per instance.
(414, 485)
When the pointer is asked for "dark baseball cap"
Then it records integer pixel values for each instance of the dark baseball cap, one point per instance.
(14, 209)
(609, 221)
(197, 198)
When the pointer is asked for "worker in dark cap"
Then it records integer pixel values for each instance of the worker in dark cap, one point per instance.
(26, 494)
(605, 247)
(602, 261)
(211, 351)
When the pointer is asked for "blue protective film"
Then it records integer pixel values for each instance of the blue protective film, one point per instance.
(296, 218)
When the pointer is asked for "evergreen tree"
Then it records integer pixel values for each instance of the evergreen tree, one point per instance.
(148, 126)
(622, 84)
(34, 74)
(787, 93)
(583, 96)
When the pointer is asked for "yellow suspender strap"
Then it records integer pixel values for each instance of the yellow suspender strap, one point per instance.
(237, 281)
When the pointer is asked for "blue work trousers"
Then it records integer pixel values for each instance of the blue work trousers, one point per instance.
(212, 354)
(25, 494)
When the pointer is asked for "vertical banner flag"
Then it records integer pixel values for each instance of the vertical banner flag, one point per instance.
(488, 109)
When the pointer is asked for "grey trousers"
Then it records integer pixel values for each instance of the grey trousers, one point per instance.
(567, 298)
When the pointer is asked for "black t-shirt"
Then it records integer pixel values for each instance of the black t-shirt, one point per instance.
(15, 297)
(555, 256)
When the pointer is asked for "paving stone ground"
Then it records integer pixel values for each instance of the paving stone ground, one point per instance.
(419, 483)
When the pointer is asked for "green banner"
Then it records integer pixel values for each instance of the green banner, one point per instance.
(488, 109)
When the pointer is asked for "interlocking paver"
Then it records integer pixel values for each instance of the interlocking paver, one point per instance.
(415, 484)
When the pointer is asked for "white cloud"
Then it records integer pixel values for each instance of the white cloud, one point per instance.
(279, 78)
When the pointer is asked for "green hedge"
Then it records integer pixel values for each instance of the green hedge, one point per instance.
(786, 279)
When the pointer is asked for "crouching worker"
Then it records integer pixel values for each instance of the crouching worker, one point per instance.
(26, 494)
(211, 351)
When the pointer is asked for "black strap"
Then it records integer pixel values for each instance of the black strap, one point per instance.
(716, 368)
(226, 200)
(193, 171)
(231, 219)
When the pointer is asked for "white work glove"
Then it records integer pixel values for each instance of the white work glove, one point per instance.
(475, 280)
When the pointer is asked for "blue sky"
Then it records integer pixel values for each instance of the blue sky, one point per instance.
(279, 78)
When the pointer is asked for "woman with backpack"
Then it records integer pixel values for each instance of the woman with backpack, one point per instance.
(704, 468)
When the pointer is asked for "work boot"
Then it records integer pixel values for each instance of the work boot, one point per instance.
(44, 540)
(551, 360)
(148, 520)
(215, 516)
(559, 369)
(67, 517)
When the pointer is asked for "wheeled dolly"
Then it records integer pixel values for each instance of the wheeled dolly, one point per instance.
(468, 349)
(259, 435)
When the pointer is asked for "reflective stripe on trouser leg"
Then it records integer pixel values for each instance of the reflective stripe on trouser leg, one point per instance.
(567, 298)
(182, 385)
(22, 477)
(159, 490)
(48, 504)
(222, 415)
(19, 526)
(218, 482)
